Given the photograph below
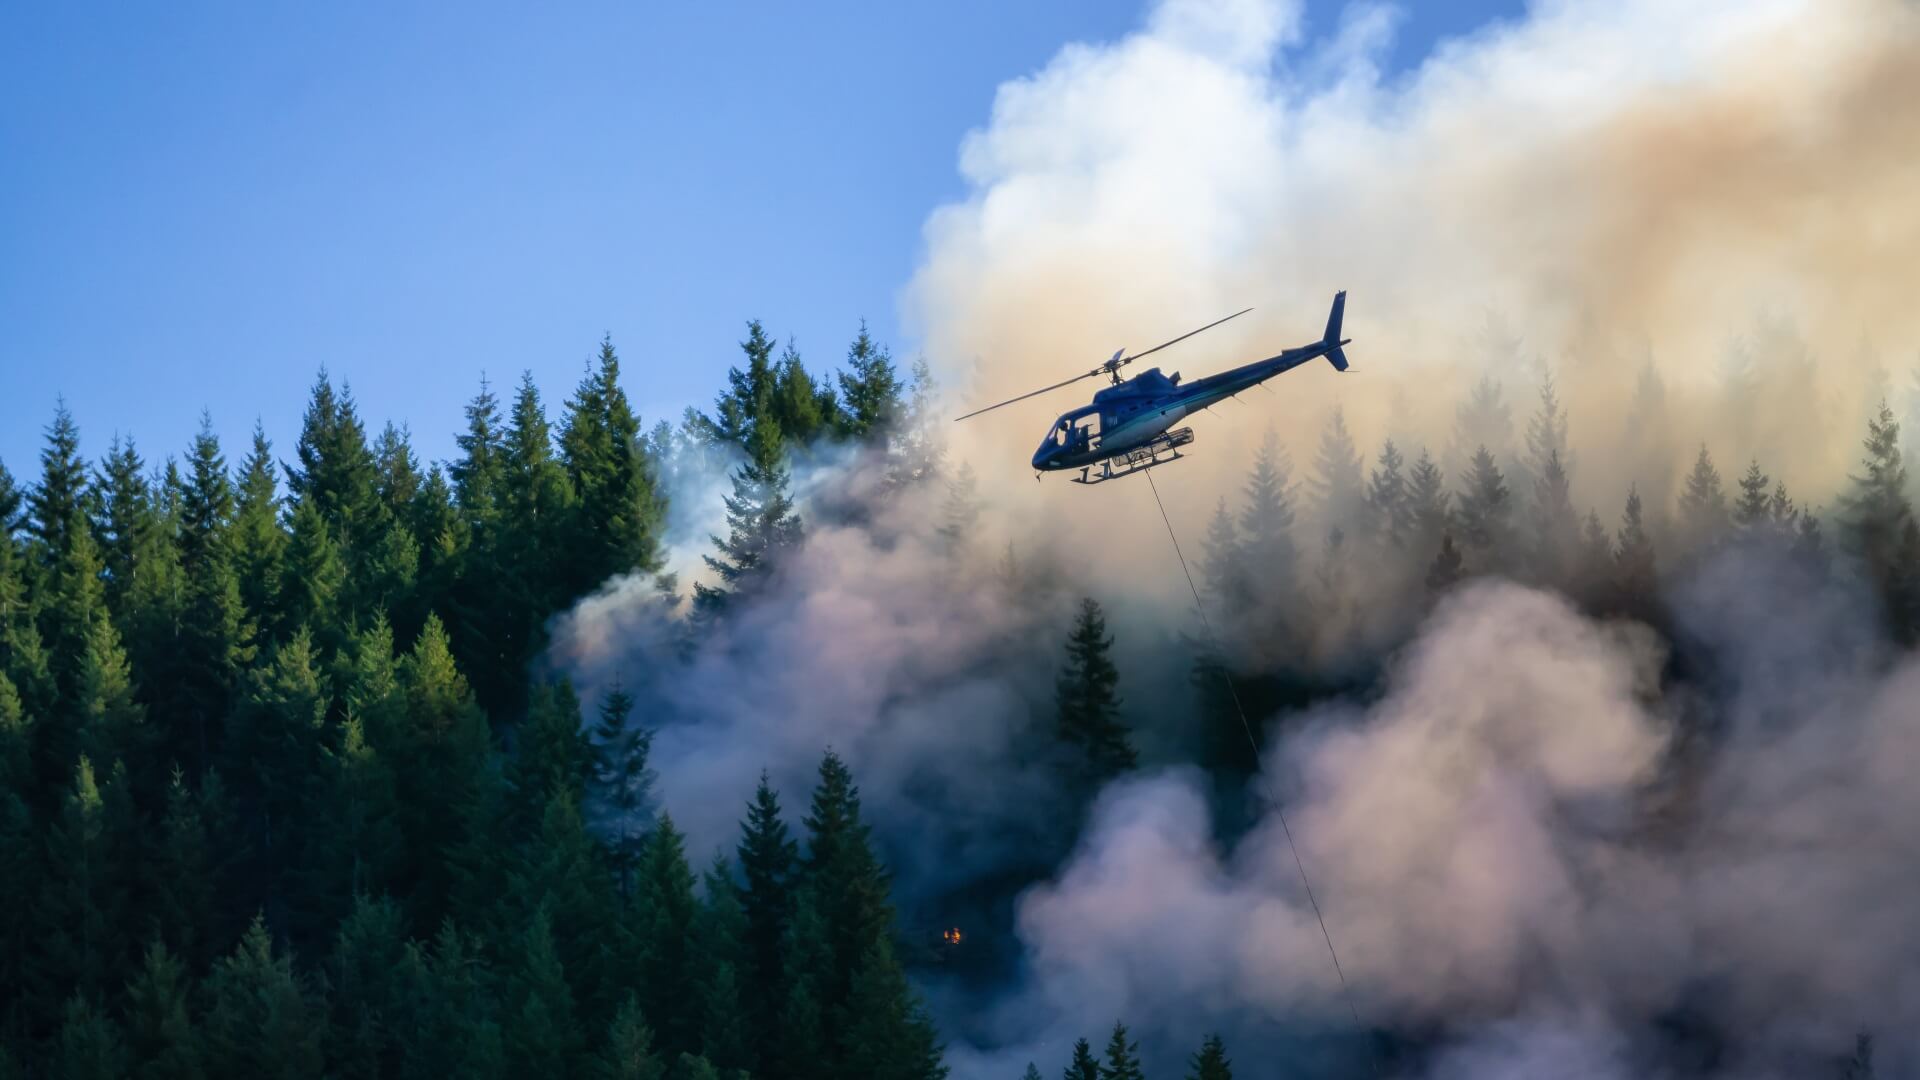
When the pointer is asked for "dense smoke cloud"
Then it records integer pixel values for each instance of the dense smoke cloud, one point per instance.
(1716, 188)
(1698, 219)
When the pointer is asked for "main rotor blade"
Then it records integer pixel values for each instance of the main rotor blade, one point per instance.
(1181, 338)
(1036, 393)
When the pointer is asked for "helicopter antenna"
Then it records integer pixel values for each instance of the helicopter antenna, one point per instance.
(1111, 368)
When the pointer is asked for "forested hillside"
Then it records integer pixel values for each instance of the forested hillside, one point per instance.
(285, 791)
(289, 787)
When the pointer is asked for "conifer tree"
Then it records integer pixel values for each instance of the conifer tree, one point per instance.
(749, 399)
(664, 927)
(1088, 701)
(1633, 558)
(1486, 510)
(628, 1052)
(441, 763)
(366, 992)
(127, 527)
(1704, 517)
(109, 723)
(359, 849)
(1211, 1062)
(181, 876)
(162, 1042)
(1221, 567)
(1874, 517)
(1547, 432)
(1388, 500)
(316, 578)
(1266, 526)
(542, 1034)
(768, 857)
(1083, 1066)
(617, 513)
(559, 869)
(259, 543)
(622, 782)
(458, 1033)
(1430, 502)
(555, 755)
(886, 1032)
(760, 519)
(1123, 1057)
(803, 408)
(214, 643)
(850, 888)
(720, 940)
(337, 474)
(1339, 476)
(1859, 1064)
(261, 1021)
(1556, 528)
(273, 752)
(806, 957)
(870, 390)
(56, 508)
(82, 908)
(1032, 1073)
(1752, 508)
(89, 1046)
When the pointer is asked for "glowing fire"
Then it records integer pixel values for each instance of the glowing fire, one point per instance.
(952, 937)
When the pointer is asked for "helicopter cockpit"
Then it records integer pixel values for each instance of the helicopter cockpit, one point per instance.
(1076, 432)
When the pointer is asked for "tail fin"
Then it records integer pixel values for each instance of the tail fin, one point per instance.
(1332, 338)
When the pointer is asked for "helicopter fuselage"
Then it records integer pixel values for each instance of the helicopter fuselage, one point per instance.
(1133, 412)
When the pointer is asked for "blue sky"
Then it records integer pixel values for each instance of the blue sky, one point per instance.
(201, 204)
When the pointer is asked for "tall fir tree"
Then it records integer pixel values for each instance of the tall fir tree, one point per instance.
(1431, 502)
(262, 1020)
(1874, 517)
(1339, 480)
(162, 1041)
(628, 1051)
(768, 860)
(761, 524)
(259, 541)
(56, 507)
(870, 390)
(618, 512)
(1388, 500)
(1087, 701)
(1211, 1062)
(1486, 511)
(664, 914)
(887, 1033)
(1635, 583)
(1122, 1058)
(1083, 1065)
(1704, 516)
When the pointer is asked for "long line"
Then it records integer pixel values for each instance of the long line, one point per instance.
(1279, 811)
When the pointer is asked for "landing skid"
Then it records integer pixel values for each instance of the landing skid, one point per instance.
(1139, 459)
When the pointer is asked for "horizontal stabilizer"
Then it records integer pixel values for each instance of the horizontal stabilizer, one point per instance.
(1337, 357)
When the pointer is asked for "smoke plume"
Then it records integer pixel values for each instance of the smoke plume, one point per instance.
(1698, 220)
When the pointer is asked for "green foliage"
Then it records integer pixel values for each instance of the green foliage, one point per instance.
(617, 519)
(1211, 1062)
(663, 919)
(870, 390)
(1088, 702)
(261, 1018)
(1083, 1066)
(628, 1052)
(90, 1047)
(1123, 1057)
(162, 1041)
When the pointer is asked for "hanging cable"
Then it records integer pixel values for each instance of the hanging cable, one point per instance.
(1213, 642)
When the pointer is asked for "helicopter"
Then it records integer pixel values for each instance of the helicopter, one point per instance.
(1125, 430)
